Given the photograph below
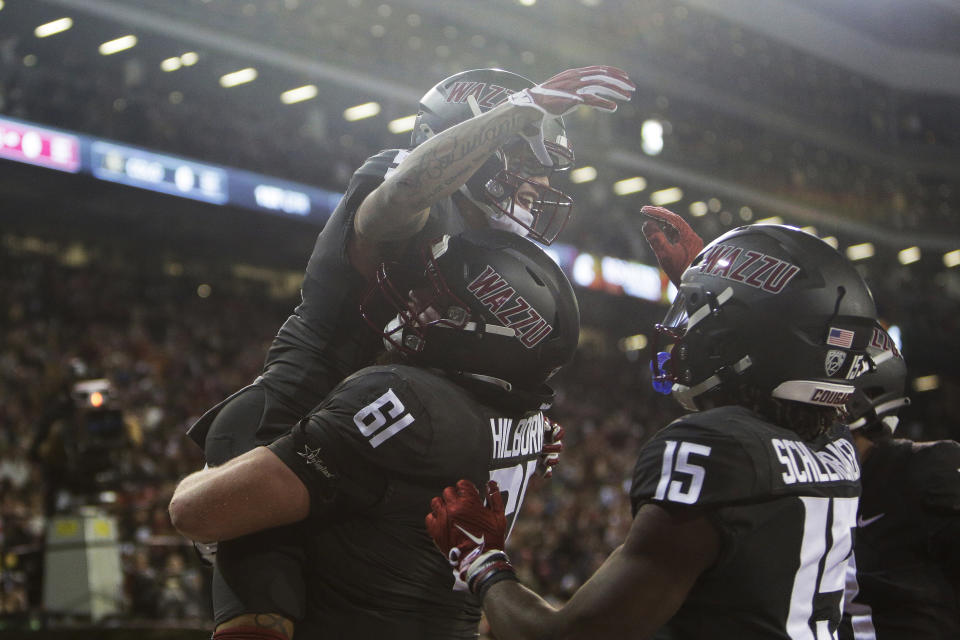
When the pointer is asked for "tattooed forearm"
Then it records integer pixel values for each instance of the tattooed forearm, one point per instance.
(436, 169)
(446, 161)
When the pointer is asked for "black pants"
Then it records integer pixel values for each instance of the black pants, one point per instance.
(262, 572)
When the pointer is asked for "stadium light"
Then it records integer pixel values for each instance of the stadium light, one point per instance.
(860, 251)
(832, 241)
(770, 220)
(292, 96)
(951, 258)
(811, 230)
(666, 196)
(926, 383)
(909, 255)
(402, 125)
(651, 136)
(629, 185)
(361, 111)
(189, 58)
(171, 64)
(117, 45)
(637, 342)
(698, 209)
(240, 76)
(50, 28)
(583, 174)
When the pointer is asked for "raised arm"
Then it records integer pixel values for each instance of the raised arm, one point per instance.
(398, 208)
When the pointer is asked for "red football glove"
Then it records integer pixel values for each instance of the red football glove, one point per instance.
(676, 249)
(471, 535)
(597, 86)
(552, 448)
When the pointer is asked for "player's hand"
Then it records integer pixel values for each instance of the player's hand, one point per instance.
(552, 448)
(470, 534)
(598, 86)
(677, 248)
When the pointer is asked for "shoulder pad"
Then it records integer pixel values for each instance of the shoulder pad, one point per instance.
(379, 413)
(382, 164)
(939, 477)
(730, 454)
(694, 464)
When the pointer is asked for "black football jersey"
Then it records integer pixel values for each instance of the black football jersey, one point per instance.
(907, 547)
(325, 339)
(386, 441)
(784, 509)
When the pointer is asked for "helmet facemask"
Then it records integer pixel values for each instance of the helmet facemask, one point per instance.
(509, 188)
(421, 299)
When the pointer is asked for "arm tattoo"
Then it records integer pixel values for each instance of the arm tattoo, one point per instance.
(272, 621)
(446, 164)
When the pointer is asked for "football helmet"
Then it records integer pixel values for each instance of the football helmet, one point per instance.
(770, 307)
(881, 388)
(485, 303)
(493, 187)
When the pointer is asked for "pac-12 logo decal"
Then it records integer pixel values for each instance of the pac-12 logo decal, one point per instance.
(494, 292)
(834, 361)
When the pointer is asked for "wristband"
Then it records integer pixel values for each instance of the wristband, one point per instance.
(487, 570)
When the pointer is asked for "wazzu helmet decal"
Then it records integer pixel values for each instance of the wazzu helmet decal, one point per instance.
(749, 267)
(495, 184)
(486, 303)
(771, 307)
(494, 292)
(487, 94)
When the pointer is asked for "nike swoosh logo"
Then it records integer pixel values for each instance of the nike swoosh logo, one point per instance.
(861, 522)
(476, 540)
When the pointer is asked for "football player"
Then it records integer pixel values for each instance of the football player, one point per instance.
(484, 146)
(489, 319)
(905, 576)
(744, 509)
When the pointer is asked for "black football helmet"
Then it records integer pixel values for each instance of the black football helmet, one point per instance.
(770, 307)
(486, 303)
(881, 388)
(492, 188)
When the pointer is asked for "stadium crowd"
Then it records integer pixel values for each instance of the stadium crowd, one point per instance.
(173, 338)
(816, 134)
(169, 353)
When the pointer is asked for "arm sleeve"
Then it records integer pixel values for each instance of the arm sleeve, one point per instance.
(346, 451)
